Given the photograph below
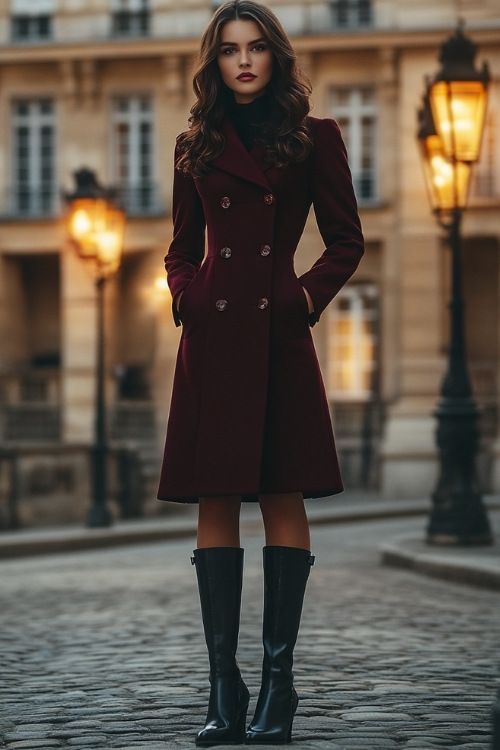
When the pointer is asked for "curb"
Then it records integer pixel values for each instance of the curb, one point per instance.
(88, 539)
(458, 565)
(29, 543)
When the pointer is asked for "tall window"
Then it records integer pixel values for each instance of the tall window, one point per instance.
(33, 130)
(132, 128)
(356, 113)
(351, 14)
(31, 20)
(130, 17)
(353, 345)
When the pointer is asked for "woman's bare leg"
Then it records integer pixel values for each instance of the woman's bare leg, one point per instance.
(285, 520)
(219, 521)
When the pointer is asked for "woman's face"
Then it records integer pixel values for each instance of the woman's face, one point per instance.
(245, 60)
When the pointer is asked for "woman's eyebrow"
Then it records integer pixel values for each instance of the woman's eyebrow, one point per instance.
(235, 44)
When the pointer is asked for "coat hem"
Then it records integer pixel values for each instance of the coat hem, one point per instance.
(253, 497)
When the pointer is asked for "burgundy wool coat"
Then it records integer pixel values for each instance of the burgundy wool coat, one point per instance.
(248, 412)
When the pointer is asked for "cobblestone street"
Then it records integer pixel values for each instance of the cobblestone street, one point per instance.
(104, 649)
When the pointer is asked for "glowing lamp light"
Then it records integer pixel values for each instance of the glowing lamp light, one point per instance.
(161, 284)
(459, 109)
(95, 225)
(458, 96)
(447, 180)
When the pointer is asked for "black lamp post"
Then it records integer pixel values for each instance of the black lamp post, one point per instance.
(450, 129)
(96, 229)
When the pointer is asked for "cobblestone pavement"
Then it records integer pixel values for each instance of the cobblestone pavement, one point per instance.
(104, 649)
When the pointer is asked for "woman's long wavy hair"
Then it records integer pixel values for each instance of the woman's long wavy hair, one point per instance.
(285, 135)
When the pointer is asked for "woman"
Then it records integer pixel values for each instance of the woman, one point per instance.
(249, 419)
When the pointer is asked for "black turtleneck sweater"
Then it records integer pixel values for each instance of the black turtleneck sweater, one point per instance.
(248, 119)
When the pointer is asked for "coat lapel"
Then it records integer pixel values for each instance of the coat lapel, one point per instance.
(236, 160)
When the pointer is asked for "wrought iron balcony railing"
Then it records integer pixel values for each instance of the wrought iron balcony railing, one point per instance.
(30, 202)
(140, 199)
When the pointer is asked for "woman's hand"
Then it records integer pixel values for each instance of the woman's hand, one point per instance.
(310, 303)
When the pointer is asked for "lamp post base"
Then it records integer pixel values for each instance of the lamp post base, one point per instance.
(459, 521)
(98, 516)
(458, 516)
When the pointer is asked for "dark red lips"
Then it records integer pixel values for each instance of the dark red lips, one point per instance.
(246, 77)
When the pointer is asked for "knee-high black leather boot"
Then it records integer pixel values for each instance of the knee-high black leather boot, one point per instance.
(220, 572)
(286, 570)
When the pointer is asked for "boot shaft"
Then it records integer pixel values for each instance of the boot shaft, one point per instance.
(219, 571)
(286, 571)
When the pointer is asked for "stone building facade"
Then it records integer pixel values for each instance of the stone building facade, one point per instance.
(107, 85)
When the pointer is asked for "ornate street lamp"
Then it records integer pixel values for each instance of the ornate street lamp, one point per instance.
(96, 228)
(447, 181)
(450, 128)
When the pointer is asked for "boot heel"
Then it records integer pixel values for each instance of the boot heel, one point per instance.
(241, 729)
(241, 723)
(295, 703)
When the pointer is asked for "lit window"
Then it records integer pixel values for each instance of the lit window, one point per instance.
(132, 149)
(355, 111)
(353, 345)
(33, 130)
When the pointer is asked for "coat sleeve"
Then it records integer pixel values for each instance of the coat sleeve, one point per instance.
(337, 217)
(187, 248)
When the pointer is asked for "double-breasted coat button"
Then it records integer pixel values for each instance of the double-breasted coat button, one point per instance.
(221, 305)
(265, 250)
(269, 199)
(226, 252)
(262, 303)
(225, 202)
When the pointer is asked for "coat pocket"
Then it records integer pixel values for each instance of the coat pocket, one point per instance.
(195, 300)
(292, 309)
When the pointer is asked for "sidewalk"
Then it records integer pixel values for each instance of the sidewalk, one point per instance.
(181, 522)
(477, 566)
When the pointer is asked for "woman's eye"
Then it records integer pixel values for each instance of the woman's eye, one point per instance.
(228, 50)
(260, 48)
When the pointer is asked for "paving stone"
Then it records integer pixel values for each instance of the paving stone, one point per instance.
(115, 658)
(88, 740)
(34, 744)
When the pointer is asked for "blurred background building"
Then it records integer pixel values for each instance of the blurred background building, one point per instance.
(107, 85)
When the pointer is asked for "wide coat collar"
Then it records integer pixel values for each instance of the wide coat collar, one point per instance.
(235, 159)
